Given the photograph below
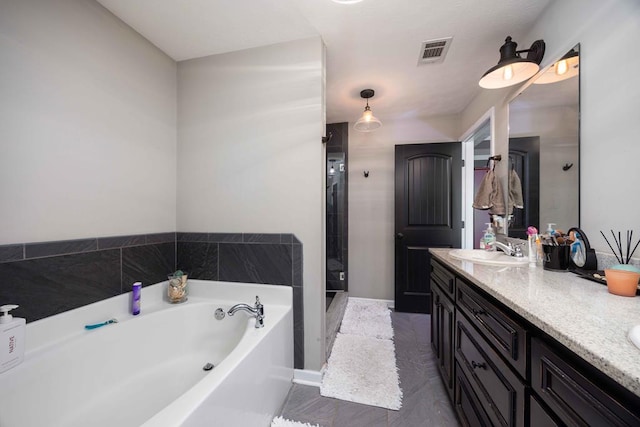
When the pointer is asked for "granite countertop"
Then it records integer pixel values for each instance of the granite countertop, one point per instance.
(580, 314)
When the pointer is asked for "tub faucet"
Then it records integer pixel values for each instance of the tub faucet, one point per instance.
(256, 311)
(508, 249)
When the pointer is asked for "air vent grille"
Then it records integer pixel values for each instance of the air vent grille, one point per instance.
(433, 51)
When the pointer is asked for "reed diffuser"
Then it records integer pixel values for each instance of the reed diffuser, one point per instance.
(620, 249)
(622, 279)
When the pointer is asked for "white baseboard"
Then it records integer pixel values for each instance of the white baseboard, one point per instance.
(308, 377)
(390, 303)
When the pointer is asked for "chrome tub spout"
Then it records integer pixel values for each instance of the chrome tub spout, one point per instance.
(256, 311)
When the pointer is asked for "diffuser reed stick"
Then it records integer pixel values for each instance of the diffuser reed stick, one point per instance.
(622, 259)
(611, 247)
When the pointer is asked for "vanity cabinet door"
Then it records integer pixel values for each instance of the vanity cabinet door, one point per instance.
(442, 318)
(499, 390)
(575, 396)
(506, 335)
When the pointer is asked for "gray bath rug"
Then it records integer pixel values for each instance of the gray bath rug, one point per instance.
(362, 368)
(283, 422)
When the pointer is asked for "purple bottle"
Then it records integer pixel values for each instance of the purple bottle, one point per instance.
(135, 301)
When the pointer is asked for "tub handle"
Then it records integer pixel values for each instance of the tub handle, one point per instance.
(256, 311)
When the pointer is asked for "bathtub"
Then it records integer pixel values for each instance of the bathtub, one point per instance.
(147, 370)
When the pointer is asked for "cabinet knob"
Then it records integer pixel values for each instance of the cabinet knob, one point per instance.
(399, 236)
(476, 365)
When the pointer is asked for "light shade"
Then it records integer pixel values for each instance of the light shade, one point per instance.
(367, 122)
(512, 68)
(568, 66)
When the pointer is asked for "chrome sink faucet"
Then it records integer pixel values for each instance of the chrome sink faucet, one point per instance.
(256, 311)
(509, 249)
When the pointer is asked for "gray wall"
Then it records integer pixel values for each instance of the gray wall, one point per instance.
(250, 155)
(87, 124)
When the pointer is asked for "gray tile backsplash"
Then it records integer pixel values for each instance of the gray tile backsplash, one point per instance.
(11, 253)
(38, 250)
(252, 258)
(43, 287)
(198, 259)
(48, 278)
(265, 263)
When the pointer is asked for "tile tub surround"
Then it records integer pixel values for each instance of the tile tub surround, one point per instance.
(580, 314)
(272, 258)
(48, 278)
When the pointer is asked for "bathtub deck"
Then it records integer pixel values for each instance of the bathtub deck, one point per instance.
(425, 401)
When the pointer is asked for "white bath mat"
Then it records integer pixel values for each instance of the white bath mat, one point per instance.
(363, 370)
(283, 422)
(367, 318)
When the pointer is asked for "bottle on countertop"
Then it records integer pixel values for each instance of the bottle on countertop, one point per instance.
(135, 298)
(12, 334)
(488, 238)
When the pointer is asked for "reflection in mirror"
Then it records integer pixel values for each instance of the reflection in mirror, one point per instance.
(481, 140)
(544, 148)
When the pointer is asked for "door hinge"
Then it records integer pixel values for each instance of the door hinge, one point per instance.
(462, 162)
(462, 224)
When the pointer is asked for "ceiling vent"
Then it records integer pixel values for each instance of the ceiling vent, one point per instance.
(433, 51)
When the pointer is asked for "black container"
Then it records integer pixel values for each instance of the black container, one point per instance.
(556, 258)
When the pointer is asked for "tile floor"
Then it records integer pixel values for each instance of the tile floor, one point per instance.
(424, 403)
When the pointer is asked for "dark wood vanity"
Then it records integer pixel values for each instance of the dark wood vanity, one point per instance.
(501, 370)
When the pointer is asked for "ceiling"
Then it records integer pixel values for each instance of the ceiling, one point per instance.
(372, 44)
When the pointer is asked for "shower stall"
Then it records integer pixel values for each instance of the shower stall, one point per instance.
(336, 203)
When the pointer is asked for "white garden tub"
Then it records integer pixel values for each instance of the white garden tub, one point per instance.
(147, 370)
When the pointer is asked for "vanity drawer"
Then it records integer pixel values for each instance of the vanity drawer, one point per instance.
(466, 404)
(558, 379)
(506, 335)
(443, 278)
(539, 417)
(499, 390)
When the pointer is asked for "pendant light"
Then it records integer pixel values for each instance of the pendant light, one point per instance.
(332, 170)
(512, 68)
(368, 122)
(568, 66)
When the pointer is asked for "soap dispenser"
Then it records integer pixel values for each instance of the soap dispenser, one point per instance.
(12, 333)
(488, 238)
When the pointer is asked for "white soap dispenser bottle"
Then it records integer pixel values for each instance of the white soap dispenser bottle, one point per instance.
(12, 333)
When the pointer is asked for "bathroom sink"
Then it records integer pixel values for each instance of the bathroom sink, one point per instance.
(488, 257)
(634, 335)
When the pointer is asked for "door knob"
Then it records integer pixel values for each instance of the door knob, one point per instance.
(399, 236)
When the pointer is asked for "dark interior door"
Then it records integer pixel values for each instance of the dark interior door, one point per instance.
(428, 214)
(524, 158)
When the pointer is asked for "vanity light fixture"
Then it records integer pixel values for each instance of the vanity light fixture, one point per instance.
(568, 66)
(512, 68)
(368, 122)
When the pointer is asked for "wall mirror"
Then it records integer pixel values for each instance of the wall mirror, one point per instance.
(544, 148)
